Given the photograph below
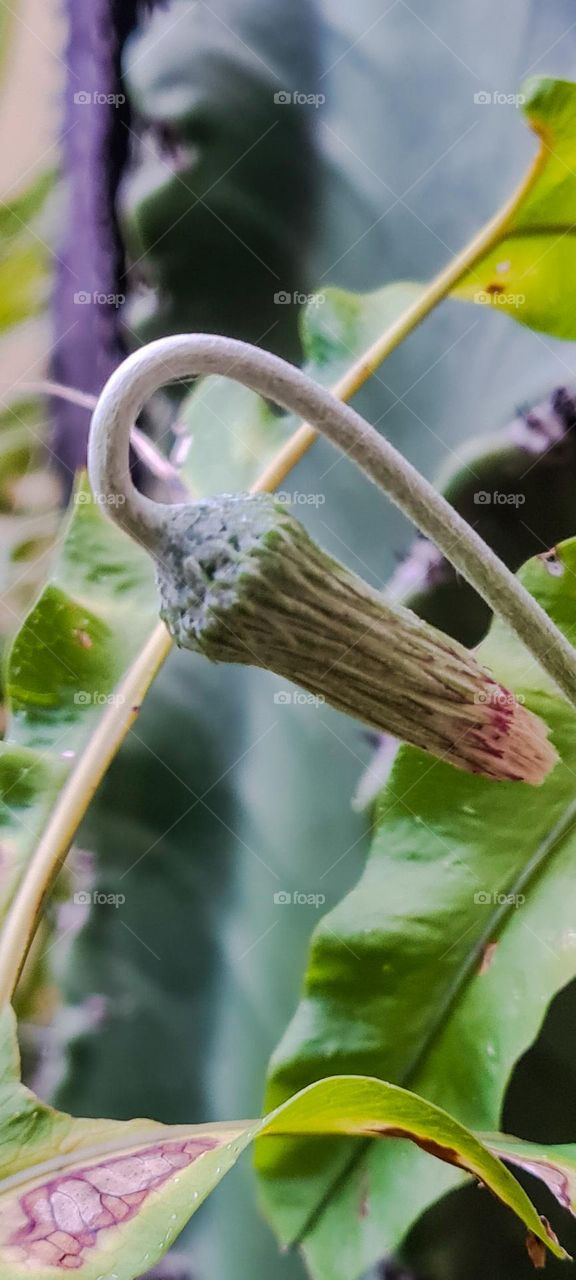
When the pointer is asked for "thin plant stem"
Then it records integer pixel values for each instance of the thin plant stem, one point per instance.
(361, 371)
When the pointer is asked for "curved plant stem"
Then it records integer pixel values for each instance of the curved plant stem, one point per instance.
(75, 797)
(189, 354)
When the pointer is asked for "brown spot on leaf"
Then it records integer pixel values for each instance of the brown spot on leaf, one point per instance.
(487, 957)
(495, 288)
(448, 1154)
(364, 1195)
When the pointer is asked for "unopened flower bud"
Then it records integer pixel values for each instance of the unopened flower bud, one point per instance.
(242, 581)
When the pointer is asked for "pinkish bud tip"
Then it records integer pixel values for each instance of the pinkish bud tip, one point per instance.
(508, 742)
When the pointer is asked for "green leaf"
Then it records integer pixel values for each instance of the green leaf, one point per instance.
(27, 524)
(372, 1109)
(230, 426)
(29, 519)
(83, 1195)
(403, 982)
(24, 257)
(24, 208)
(85, 630)
(526, 274)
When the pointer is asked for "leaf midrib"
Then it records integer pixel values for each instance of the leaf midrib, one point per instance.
(528, 872)
(541, 229)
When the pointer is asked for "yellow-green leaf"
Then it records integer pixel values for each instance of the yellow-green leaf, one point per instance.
(528, 273)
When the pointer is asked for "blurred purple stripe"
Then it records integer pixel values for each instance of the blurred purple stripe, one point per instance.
(88, 334)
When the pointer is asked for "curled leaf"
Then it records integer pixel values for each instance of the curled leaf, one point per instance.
(553, 1165)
